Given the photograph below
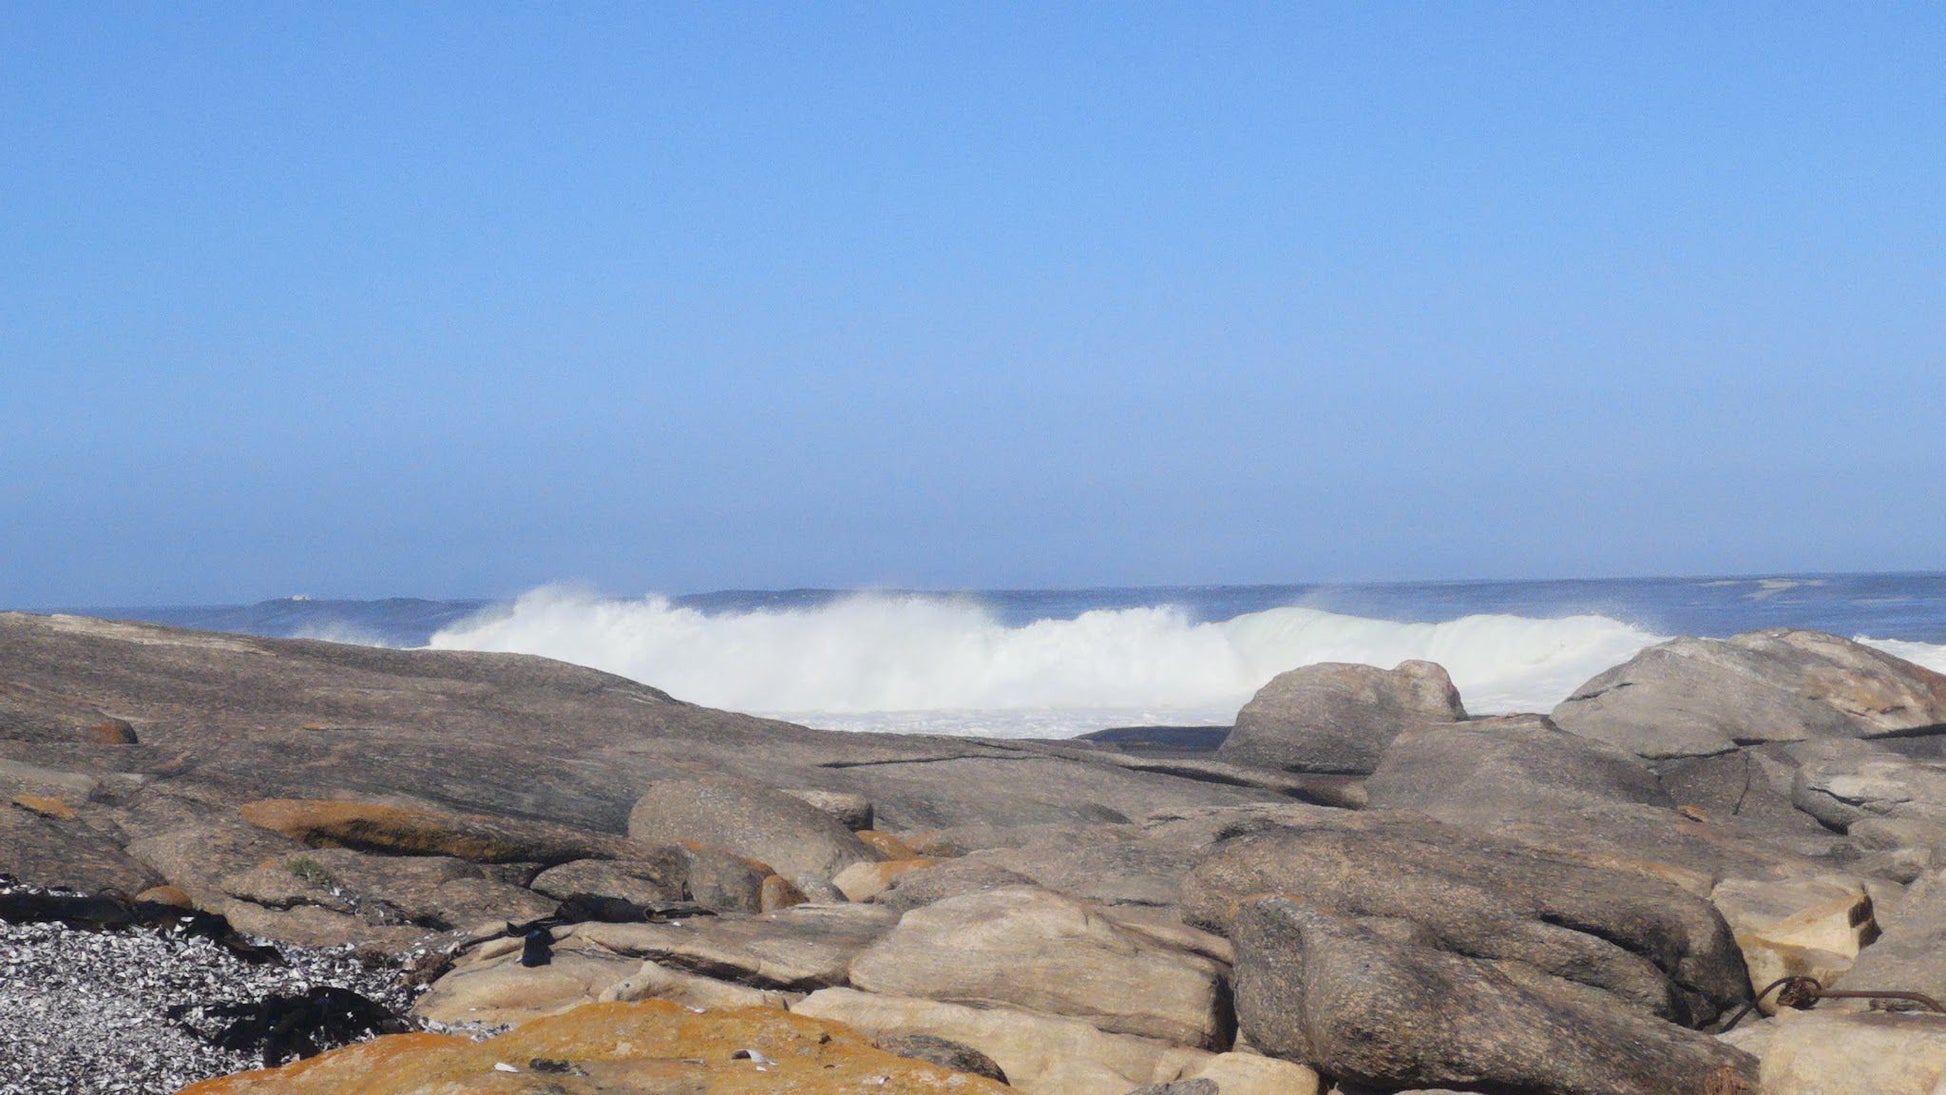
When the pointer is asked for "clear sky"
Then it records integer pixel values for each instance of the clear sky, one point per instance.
(369, 300)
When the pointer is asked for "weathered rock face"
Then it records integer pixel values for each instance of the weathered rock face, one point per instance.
(66, 851)
(1826, 1052)
(1643, 941)
(798, 840)
(1037, 950)
(1910, 954)
(1797, 927)
(1338, 718)
(1121, 868)
(1696, 697)
(1844, 782)
(948, 878)
(1391, 1013)
(653, 1048)
(1489, 770)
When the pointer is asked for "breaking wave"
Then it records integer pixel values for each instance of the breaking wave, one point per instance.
(948, 664)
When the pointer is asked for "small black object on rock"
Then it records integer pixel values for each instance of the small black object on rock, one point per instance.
(538, 948)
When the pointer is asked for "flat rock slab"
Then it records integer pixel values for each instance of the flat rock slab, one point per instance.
(802, 948)
(1028, 948)
(1051, 1055)
(1484, 771)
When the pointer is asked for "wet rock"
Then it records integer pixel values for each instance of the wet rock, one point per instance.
(1314, 988)
(1696, 697)
(1032, 949)
(1337, 718)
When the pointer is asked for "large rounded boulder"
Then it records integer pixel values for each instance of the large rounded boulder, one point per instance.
(797, 840)
(1338, 718)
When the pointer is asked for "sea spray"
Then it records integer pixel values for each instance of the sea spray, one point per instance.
(948, 664)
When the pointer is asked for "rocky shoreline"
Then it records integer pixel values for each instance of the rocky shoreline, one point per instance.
(1359, 888)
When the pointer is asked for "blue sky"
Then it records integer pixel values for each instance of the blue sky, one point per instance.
(365, 300)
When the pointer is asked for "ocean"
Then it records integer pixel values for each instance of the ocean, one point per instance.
(1061, 662)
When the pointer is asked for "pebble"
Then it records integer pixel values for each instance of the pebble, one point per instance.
(83, 1012)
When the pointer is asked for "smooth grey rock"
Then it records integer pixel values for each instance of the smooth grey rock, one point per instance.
(1910, 953)
(1643, 940)
(1487, 770)
(1133, 870)
(1337, 718)
(1696, 697)
(1354, 1005)
(796, 839)
(1843, 782)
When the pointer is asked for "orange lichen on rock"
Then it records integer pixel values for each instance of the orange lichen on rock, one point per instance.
(44, 805)
(649, 1048)
(400, 830)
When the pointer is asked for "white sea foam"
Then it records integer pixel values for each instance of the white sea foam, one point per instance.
(944, 664)
(1930, 655)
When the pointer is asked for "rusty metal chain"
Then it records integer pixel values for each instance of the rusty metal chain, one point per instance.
(1803, 993)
